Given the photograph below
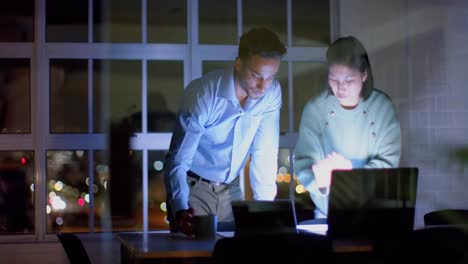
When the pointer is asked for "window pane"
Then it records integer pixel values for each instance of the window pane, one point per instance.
(118, 202)
(117, 21)
(66, 21)
(265, 13)
(157, 191)
(167, 21)
(218, 21)
(68, 96)
(283, 177)
(310, 23)
(165, 87)
(16, 192)
(310, 78)
(117, 94)
(17, 21)
(67, 191)
(304, 205)
(15, 110)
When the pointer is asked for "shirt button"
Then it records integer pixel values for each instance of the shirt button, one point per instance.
(374, 135)
(326, 124)
(332, 113)
(364, 113)
(372, 123)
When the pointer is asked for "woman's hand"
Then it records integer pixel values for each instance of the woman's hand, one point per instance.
(323, 168)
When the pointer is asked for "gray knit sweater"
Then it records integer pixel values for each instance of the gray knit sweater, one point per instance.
(368, 135)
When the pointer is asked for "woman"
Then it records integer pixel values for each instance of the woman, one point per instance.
(349, 125)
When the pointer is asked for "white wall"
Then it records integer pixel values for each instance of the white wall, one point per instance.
(418, 54)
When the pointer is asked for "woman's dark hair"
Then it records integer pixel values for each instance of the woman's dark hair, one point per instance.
(262, 42)
(350, 51)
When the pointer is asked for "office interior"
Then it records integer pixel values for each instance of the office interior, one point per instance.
(75, 74)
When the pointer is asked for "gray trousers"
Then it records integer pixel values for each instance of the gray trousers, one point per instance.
(206, 198)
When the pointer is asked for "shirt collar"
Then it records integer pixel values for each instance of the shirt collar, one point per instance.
(227, 89)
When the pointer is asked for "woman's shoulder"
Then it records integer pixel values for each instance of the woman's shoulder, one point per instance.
(380, 102)
(319, 104)
(379, 95)
(320, 100)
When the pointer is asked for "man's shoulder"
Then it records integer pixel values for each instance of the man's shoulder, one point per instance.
(214, 74)
(274, 91)
(208, 80)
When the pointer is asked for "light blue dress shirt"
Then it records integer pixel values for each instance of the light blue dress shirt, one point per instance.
(214, 136)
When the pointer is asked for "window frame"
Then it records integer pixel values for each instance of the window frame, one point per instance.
(192, 54)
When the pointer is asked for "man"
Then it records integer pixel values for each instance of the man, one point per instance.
(224, 117)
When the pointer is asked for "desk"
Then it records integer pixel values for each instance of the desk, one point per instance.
(429, 245)
(163, 247)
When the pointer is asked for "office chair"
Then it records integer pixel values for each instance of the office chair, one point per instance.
(444, 244)
(74, 248)
(446, 217)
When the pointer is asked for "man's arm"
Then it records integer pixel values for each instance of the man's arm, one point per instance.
(187, 133)
(264, 157)
(264, 149)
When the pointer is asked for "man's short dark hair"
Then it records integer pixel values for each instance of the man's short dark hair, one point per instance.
(262, 42)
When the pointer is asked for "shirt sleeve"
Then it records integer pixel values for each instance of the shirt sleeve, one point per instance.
(188, 130)
(308, 151)
(388, 136)
(264, 150)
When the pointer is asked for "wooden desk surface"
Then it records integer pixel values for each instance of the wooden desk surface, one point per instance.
(165, 245)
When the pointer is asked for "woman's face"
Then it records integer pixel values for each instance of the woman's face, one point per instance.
(346, 83)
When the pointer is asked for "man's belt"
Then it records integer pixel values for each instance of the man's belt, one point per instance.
(198, 178)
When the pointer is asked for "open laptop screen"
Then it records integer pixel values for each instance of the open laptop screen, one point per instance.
(372, 203)
(264, 217)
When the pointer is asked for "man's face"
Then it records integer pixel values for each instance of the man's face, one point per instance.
(255, 74)
(346, 83)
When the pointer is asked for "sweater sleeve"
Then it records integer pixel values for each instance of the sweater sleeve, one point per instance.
(388, 138)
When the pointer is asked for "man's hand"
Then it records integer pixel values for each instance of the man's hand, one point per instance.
(184, 221)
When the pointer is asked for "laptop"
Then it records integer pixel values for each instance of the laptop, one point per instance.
(372, 203)
(264, 217)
